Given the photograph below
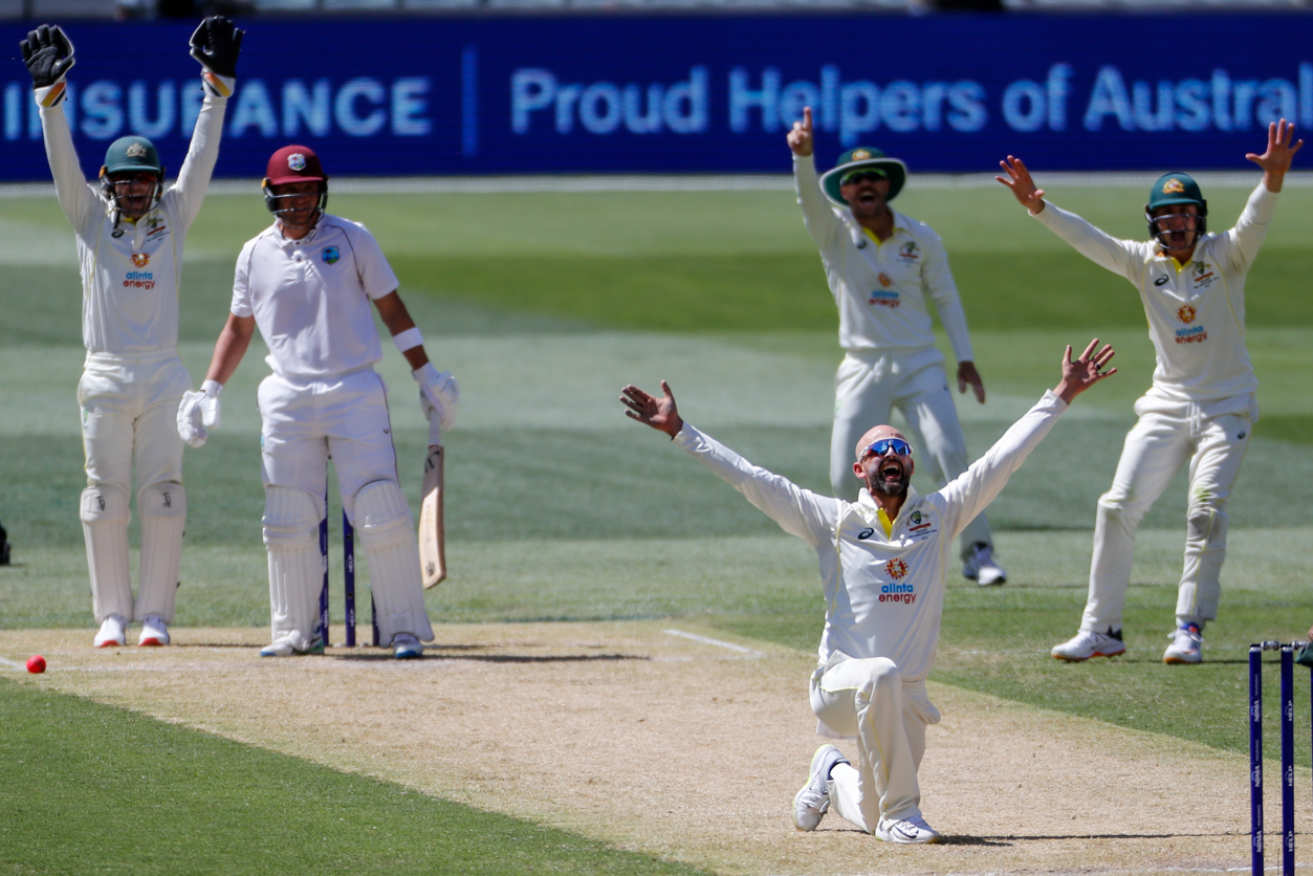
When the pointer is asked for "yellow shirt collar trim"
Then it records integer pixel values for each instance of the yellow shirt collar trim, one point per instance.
(885, 522)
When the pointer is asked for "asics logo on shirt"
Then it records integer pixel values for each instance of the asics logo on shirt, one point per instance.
(865, 534)
(1161, 281)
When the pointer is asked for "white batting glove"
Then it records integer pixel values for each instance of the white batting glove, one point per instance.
(438, 394)
(198, 413)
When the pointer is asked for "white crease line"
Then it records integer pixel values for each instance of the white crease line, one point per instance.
(752, 655)
(21, 667)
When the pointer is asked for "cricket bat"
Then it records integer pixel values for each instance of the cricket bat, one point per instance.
(432, 544)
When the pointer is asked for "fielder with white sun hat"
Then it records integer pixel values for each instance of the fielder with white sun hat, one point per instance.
(883, 270)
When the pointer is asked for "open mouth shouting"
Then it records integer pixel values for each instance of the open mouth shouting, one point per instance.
(891, 477)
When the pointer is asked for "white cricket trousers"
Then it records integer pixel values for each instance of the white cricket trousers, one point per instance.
(305, 421)
(868, 699)
(1166, 437)
(867, 387)
(345, 416)
(130, 419)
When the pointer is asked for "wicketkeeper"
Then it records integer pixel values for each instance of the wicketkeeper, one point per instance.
(883, 563)
(130, 238)
(307, 281)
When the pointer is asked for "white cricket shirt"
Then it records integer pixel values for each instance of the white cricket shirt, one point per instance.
(1196, 311)
(884, 594)
(130, 281)
(311, 297)
(881, 288)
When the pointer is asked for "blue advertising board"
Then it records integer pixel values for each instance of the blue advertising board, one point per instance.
(692, 94)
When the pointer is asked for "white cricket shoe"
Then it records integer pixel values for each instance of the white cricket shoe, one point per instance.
(909, 831)
(406, 647)
(113, 632)
(1185, 647)
(1087, 644)
(154, 632)
(286, 646)
(980, 566)
(813, 801)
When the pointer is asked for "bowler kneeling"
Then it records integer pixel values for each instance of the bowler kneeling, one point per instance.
(883, 562)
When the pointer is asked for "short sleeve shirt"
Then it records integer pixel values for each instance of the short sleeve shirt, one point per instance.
(311, 297)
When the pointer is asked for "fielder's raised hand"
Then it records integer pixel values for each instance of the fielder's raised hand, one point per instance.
(659, 413)
(216, 44)
(48, 54)
(1023, 187)
(1080, 374)
(1276, 160)
(800, 138)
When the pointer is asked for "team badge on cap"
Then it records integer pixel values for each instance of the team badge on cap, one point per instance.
(1173, 186)
(331, 255)
(860, 155)
(296, 161)
(136, 150)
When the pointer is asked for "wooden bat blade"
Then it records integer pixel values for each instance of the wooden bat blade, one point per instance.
(432, 543)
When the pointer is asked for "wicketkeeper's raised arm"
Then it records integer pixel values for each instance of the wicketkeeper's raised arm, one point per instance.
(48, 54)
(216, 44)
(973, 490)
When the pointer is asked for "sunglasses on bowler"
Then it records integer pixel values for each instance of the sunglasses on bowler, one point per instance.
(884, 445)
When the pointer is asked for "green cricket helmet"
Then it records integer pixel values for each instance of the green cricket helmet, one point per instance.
(131, 155)
(863, 158)
(1173, 190)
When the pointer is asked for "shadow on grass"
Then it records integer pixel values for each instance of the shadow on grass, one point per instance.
(500, 658)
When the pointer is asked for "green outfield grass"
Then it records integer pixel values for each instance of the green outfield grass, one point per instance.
(86, 788)
(544, 305)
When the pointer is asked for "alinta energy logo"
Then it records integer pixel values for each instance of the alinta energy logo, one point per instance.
(897, 592)
(1195, 334)
(139, 279)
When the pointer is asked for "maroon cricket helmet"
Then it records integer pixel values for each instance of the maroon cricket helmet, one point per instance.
(294, 164)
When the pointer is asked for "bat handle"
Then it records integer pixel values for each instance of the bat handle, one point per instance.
(435, 430)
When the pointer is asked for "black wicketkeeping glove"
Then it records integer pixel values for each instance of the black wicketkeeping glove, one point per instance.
(216, 44)
(48, 54)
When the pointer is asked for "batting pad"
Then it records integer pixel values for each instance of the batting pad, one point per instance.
(296, 568)
(104, 512)
(163, 512)
(387, 534)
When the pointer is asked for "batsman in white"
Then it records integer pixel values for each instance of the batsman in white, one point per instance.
(883, 563)
(130, 237)
(1202, 404)
(882, 268)
(307, 281)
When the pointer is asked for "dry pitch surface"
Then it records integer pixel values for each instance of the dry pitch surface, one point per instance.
(687, 748)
